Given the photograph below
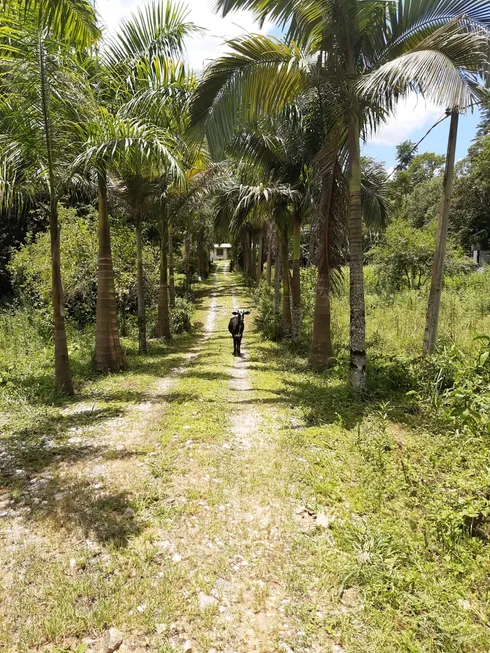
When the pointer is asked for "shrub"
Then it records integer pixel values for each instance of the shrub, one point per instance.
(457, 386)
(180, 316)
(267, 321)
(31, 271)
(405, 257)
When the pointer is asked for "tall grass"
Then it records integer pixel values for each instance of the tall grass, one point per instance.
(395, 323)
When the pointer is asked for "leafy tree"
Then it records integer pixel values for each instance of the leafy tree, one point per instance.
(405, 255)
(470, 217)
(405, 153)
(41, 93)
(423, 168)
(424, 202)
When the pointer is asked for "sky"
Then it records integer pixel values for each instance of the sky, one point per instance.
(412, 120)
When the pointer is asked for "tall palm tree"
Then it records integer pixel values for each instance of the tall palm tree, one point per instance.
(133, 149)
(136, 82)
(41, 88)
(371, 52)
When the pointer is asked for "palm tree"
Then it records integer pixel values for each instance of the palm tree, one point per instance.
(432, 318)
(66, 20)
(40, 69)
(132, 149)
(371, 52)
(136, 83)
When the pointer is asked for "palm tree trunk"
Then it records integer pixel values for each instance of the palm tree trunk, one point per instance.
(296, 282)
(246, 253)
(260, 255)
(286, 301)
(62, 374)
(357, 306)
(270, 243)
(162, 329)
(108, 352)
(187, 254)
(142, 348)
(277, 276)
(171, 275)
(321, 342)
(432, 320)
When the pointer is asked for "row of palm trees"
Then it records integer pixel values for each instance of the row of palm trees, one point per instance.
(75, 118)
(357, 58)
(286, 116)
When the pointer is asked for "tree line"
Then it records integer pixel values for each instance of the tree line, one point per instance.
(265, 140)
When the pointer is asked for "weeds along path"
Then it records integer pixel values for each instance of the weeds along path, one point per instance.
(160, 504)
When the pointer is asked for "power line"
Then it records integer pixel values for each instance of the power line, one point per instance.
(415, 147)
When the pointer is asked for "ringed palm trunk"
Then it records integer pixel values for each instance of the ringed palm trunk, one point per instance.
(163, 318)
(142, 347)
(277, 276)
(321, 342)
(171, 274)
(108, 352)
(62, 374)
(296, 282)
(286, 298)
(187, 254)
(432, 320)
(357, 306)
(260, 255)
(246, 253)
(270, 243)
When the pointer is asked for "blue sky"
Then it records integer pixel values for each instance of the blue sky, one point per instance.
(435, 142)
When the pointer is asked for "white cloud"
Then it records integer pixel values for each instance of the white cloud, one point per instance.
(411, 114)
(202, 49)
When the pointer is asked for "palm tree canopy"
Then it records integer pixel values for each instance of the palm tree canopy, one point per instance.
(373, 51)
(73, 20)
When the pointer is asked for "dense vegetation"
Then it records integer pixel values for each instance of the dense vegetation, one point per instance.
(119, 169)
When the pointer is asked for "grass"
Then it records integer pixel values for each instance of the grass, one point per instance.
(225, 464)
(410, 508)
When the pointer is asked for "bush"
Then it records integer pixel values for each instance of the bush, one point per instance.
(457, 387)
(405, 257)
(267, 321)
(31, 270)
(180, 316)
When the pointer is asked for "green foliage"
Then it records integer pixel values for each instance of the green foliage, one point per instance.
(180, 316)
(268, 322)
(424, 203)
(423, 168)
(404, 258)
(469, 213)
(31, 272)
(457, 386)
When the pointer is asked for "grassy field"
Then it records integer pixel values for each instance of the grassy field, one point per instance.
(238, 505)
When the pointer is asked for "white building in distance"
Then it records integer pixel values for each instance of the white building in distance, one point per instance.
(221, 252)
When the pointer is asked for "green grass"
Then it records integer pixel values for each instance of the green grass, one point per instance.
(402, 566)
(411, 510)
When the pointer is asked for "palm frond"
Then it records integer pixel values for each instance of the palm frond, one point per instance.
(157, 30)
(110, 139)
(261, 74)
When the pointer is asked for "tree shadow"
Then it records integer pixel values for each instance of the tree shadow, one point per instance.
(31, 450)
(31, 477)
(325, 397)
